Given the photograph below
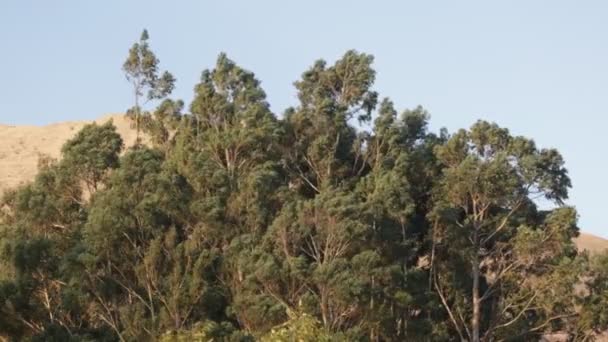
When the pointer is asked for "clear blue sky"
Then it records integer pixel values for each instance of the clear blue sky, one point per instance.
(539, 68)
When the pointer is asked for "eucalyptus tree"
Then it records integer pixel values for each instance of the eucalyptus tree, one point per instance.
(228, 223)
(231, 133)
(341, 241)
(163, 123)
(233, 122)
(594, 318)
(319, 136)
(141, 70)
(92, 152)
(228, 149)
(316, 235)
(145, 266)
(401, 171)
(502, 254)
(41, 230)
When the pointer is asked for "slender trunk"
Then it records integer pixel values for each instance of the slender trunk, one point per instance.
(404, 316)
(432, 261)
(137, 115)
(198, 130)
(152, 311)
(371, 301)
(404, 241)
(177, 321)
(371, 307)
(324, 309)
(432, 266)
(475, 320)
(47, 304)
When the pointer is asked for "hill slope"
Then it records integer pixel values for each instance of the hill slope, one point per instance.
(592, 243)
(21, 146)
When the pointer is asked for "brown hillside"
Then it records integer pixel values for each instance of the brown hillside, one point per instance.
(21, 146)
(592, 243)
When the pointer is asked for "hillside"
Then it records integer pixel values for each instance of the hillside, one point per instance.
(21, 146)
(592, 243)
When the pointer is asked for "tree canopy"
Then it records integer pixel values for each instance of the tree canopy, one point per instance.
(342, 219)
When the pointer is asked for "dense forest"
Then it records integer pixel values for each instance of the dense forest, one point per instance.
(342, 219)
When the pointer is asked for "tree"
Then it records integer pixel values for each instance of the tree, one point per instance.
(92, 152)
(38, 228)
(163, 123)
(228, 223)
(320, 138)
(233, 124)
(401, 170)
(135, 236)
(594, 319)
(301, 328)
(141, 70)
(229, 150)
(485, 202)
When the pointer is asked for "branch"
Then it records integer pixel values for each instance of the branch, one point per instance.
(464, 323)
(447, 307)
(301, 174)
(497, 278)
(518, 315)
(503, 224)
(551, 319)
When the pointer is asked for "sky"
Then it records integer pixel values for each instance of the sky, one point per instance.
(539, 68)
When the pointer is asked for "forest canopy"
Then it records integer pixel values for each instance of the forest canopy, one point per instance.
(228, 222)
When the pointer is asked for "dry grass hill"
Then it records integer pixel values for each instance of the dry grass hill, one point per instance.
(21, 146)
(592, 243)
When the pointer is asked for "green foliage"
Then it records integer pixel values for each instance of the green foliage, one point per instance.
(501, 247)
(207, 331)
(141, 70)
(230, 224)
(320, 138)
(92, 152)
(303, 328)
(594, 317)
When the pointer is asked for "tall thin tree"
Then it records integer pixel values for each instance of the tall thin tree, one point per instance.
(141, 70)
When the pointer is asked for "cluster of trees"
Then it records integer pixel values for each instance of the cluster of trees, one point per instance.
(227, 223)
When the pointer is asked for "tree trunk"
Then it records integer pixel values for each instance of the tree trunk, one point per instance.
(371, 308)
(324, 308)
(137, 115)
(476, 300)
